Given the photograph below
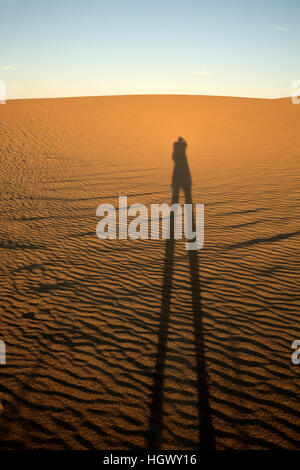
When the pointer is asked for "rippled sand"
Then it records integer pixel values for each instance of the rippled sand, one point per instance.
(81, 317)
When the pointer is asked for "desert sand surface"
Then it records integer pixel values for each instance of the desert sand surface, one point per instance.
(81, 316)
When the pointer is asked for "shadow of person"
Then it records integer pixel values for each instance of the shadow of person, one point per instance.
(181, 179)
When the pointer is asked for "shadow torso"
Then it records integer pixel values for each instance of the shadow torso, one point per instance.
(181, 174)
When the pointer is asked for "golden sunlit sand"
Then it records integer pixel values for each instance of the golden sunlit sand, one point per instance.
(81, 316)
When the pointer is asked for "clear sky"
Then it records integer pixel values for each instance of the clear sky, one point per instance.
(54, 48)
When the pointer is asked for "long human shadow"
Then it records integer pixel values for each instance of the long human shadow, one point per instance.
(206, 435)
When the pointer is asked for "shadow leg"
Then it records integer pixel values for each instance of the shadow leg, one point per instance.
(156, 412)
(206, 435)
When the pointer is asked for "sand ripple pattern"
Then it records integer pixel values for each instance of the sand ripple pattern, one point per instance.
(80, 316)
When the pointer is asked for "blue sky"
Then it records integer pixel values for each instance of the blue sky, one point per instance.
(53, 48)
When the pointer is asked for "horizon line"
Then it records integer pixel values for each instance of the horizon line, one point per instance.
(146, 94)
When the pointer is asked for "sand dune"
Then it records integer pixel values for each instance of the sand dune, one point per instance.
(81, 316)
